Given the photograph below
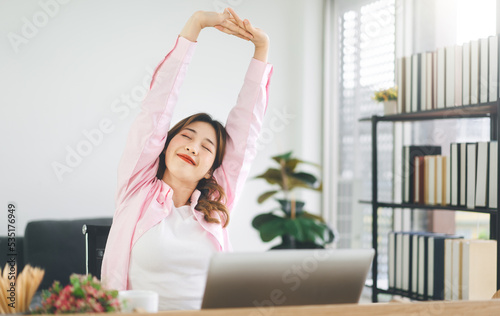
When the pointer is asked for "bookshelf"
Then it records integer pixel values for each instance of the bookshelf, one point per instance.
(486, 110)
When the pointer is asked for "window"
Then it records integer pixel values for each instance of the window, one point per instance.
(366, 63)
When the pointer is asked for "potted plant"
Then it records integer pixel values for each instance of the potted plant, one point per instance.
(297, 228)
(389, 98)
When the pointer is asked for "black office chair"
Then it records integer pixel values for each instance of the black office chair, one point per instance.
(96, 237)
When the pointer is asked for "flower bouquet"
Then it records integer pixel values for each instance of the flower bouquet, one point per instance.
(84, 294)
(389, 98)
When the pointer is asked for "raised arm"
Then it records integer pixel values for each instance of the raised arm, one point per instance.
(245, 119)
(146, 139)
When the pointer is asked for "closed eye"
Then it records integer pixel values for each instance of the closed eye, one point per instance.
(207, 149)
(186, 136)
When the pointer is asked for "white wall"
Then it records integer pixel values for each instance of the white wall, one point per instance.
(74, 71)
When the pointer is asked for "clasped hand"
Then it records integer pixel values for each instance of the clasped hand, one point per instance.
(230, 23)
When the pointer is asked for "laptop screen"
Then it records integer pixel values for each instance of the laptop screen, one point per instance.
(286, 277)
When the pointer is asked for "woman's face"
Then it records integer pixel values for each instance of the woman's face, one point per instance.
(191, 153)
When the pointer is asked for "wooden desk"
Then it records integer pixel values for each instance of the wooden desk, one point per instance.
(441, 308)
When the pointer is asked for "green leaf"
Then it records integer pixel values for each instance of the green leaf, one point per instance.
(311, 164)
(56, 287)
(305, 177)
(308, 226)
(264, 196)
(324, 232)
(272, 176)
(285, 156)
(46, 294)
(294, 228)
(331, 236)
(272, 229)
(312, 216)
(78, 292)
(261, 219)
(291, 164)
(296, 183)
(319, 230)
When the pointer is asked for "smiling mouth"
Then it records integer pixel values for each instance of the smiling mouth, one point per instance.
(187, 159)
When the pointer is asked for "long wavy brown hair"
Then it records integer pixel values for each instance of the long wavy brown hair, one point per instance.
(213, 197)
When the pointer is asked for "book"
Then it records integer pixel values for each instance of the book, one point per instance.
(440, 176)
(479, 273)
(493, 175)
(471, 175)
(434, 80)
(463, 174)
(408, 165)
(458, 75)
(483, 70)
(482, 174)
(436, 265)
(415, 82)
(419, 180)
(493, 68)
(448, 259)
(410, 264)
(430, 182)
(456, 269)
(474, 72)
(398, 277)
(414, 264)
(450, 76)
(408, 84)
(423, 82)
(441, 78)
(422, 266)
(406, 254)
(447, 174)
(400, 68)
(455, 173)
(429, 81)
(466, 74)
(424, 185)
(391, 261)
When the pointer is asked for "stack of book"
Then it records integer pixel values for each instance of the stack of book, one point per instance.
(441, 267)
(451, 76)
(468, 177)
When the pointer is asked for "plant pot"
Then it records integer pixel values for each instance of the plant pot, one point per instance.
(286, 206)
(390, 107)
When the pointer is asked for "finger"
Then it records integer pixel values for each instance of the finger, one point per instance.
(248, 25)
(236, 17)
(235, 28)
(228, 31)
(223, 29)
(226, 14)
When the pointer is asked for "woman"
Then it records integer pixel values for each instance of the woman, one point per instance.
(177, 188)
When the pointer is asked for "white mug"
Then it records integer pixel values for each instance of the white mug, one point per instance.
(137, 300)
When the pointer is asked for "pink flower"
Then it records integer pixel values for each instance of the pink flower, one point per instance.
(64, 300)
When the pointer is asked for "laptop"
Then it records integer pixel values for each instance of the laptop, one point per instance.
(286, 277)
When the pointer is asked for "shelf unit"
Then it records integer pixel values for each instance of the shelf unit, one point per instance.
(485, 110)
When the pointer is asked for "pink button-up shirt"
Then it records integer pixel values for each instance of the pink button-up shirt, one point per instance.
(143, 200)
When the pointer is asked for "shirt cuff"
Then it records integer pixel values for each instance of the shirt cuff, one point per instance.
(184, 49)
(259, 71)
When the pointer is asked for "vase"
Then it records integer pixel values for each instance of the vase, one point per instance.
(286, 206)
(390, 107)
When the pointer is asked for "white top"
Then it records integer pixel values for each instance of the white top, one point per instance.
(172, 259)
